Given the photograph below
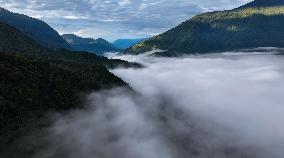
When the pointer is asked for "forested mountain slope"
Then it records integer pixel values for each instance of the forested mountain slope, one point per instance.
(36, 29)
(257, 24)
(36, 81)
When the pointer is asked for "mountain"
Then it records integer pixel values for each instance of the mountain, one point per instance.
(36, 81)
(31, 89)
(256, 24)
(34, 28)
(98, 46)
(264, 3)
(12, 40)
(126, 43)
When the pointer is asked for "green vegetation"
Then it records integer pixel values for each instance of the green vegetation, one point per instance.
(264, 3)
(241, 28)
(30, 88)
(239, 13)
(36, 81)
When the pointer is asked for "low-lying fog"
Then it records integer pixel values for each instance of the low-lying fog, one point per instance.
(218, 106)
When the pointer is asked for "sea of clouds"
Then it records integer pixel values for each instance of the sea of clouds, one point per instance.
(227, 105)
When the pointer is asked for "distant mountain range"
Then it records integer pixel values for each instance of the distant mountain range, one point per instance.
(13, 41)
(98, 46)
(126, 43)
(256, 24)
(34, 28)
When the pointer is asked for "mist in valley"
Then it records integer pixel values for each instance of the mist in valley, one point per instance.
(218, 106)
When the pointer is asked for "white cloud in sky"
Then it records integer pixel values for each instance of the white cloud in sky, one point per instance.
(124, 2)
(115, 18)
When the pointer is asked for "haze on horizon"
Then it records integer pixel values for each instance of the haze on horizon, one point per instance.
(114, 19)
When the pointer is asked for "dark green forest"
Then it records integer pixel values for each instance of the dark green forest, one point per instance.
(30, 88)
(250, 26)
(36, 81)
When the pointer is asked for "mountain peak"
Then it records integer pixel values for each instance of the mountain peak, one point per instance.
(36, 29)
(264, 3)
(73, 39)
(71, 35)
(101, 40)
(104, 42)
(3, 10)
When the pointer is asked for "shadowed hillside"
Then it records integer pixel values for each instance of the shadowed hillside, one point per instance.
(30, 89)
(10, 37)
(14, 41)
(36, 81)
(34, 28)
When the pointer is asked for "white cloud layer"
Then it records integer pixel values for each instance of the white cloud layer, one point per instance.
(116, 18)
(217, 106)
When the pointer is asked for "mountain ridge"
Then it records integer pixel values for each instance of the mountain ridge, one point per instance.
(98, 46)
(239, 28)
(263, 3)
(10, 35)
(34, 28)
(36, 81)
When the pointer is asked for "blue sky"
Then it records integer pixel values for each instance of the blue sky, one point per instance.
(112, 19)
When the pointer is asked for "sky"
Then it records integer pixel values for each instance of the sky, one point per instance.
(114, 19)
